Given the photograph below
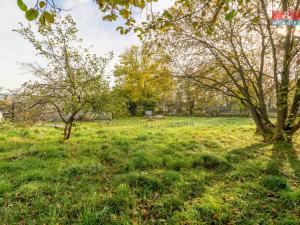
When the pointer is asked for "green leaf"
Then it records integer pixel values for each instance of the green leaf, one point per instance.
(255, 20)
(42, 20)
(209, 30)
(49, 17)
(229, 16)
(195, 24)
(120, 29)
(142, 4)
(31, 14)
(125, 13)
(21, 5)
(46, 17)
(136, 3)
(112, 17)
(42, 4)
(168, 15)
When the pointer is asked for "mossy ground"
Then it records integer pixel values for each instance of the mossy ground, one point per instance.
(133, 171)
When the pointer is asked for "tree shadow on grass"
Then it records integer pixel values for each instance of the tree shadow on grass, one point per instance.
(219, 168)
(205, 205)
(242, 154)
(281, 153)
(163, 194)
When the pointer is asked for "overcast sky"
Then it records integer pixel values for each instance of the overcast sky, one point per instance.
(102, 36)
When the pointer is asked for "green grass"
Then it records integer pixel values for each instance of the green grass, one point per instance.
(134, 171)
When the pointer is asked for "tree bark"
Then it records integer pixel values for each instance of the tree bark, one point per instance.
(190, 106)
(68, 128)
(132, 106)
(13, 112)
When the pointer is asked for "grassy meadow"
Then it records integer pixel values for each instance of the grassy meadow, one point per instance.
(134, 171)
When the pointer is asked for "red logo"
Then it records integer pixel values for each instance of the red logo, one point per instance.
(286, 18)
(277, 15)
(295, 14)
(287, 15)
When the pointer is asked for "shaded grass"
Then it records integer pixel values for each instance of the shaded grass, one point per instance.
(134, 171)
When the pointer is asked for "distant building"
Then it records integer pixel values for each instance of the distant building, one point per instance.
(4, 105)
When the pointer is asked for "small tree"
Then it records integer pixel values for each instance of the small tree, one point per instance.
(73, 79)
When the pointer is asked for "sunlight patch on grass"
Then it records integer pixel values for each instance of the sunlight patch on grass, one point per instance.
(133, 171)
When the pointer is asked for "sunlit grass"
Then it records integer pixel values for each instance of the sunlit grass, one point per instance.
(134, 171)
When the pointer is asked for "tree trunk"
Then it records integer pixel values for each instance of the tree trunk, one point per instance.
(263, 128)
(132, 106)
(68, 128)
(190, 106)
(270, 133)
(13, 112)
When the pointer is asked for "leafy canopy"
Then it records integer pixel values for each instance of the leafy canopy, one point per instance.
(143, 77)
(45, 11)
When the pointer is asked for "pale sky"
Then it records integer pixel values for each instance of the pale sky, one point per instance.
(102, 36)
